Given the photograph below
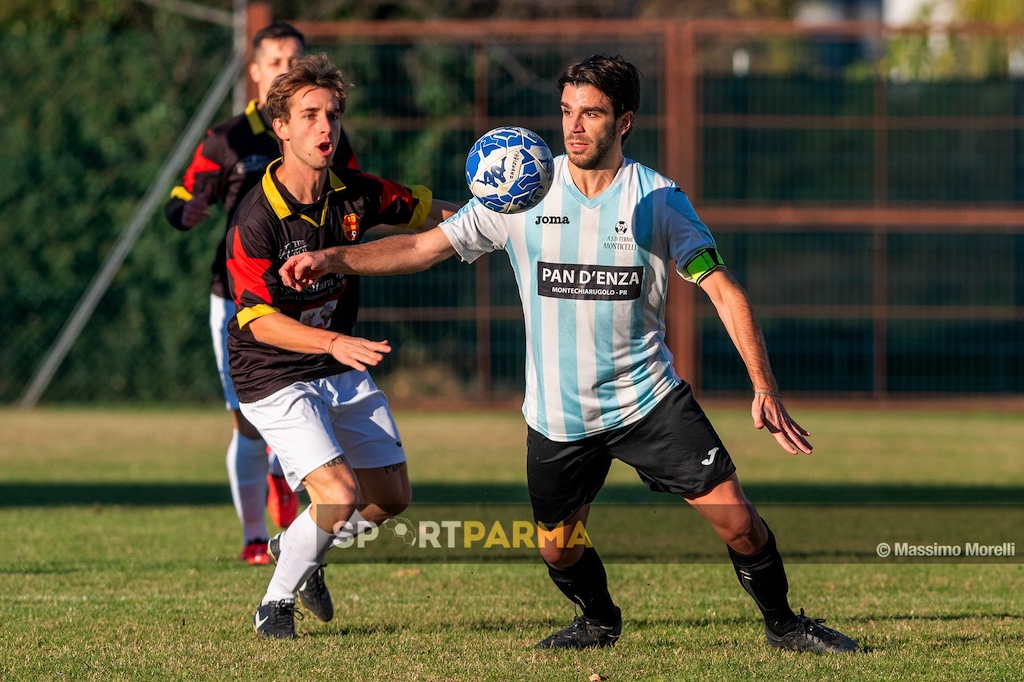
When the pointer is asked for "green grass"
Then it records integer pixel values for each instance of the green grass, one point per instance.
(119, 546)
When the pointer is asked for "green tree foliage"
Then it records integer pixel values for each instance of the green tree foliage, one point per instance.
(21, 16)
(91, 107)
(940, 55)
(998, 11)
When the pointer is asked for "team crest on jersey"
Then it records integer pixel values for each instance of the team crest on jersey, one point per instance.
(621, 240)
(350, 223)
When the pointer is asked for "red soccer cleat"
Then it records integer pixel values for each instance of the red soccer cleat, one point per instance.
(255, 553)
(282, 501)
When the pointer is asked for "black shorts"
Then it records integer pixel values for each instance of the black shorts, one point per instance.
(674, 449)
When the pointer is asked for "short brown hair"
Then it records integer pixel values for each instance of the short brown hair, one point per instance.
(276, 31)
(312, 71)
(614, 76)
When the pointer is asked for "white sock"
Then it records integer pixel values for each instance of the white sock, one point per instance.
(303, 548)
(247, 473)
(355, 525)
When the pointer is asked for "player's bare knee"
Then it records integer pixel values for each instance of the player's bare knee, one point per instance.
(332, 517)
(559, 555)
(394, 507)
(745, 534)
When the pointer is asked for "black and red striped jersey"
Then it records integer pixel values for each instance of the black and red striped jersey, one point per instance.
(270, 228)
(230, 161)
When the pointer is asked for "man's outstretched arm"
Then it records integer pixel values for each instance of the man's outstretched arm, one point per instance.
(397, 255)
(767, 409)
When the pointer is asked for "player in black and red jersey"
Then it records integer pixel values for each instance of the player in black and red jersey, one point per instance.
(300, 375)
(228, 163)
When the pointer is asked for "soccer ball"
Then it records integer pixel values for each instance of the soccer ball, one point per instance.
(509, 169)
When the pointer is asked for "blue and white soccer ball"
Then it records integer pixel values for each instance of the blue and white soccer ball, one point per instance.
(509, 169)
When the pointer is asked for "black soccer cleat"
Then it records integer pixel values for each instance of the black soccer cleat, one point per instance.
(313, 593)
(810, 635)
(583, 633)
(274, 546)
(315, 596)
(276, 619)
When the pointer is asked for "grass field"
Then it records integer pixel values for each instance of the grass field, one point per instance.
(119, 545)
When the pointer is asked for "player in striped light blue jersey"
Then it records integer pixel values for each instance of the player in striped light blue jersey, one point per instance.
(592, 275)
(591, 261)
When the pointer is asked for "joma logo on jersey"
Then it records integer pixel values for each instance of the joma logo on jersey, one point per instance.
(551, 220)
(589, 282)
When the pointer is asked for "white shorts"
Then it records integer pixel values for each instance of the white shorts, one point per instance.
(312, 422)
(221, 312)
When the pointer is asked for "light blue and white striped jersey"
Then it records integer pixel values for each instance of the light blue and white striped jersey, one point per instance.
(592, 279)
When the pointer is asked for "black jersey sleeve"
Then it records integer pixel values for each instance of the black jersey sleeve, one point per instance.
(204, 174)
(389, 203)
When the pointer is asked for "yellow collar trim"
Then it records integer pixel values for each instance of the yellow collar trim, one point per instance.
(280, 206)
(252, 114)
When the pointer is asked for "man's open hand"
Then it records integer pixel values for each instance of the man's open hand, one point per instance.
(769, 413)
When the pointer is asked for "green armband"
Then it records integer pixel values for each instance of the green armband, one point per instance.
(700, 265)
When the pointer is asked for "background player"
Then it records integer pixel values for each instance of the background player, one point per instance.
(300, 375)
(228, 163)
(600, 382)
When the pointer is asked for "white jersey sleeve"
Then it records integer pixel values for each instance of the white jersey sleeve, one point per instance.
(476, 230)
(689, 241)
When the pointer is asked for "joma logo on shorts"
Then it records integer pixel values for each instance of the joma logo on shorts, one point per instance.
(552, 220)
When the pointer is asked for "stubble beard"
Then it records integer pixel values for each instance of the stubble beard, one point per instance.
(594, 156)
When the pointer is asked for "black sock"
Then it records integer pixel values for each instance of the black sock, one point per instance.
(764, 578)
(585, 583)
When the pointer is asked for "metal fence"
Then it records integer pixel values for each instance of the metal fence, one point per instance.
(864, 183)
(867, 182)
